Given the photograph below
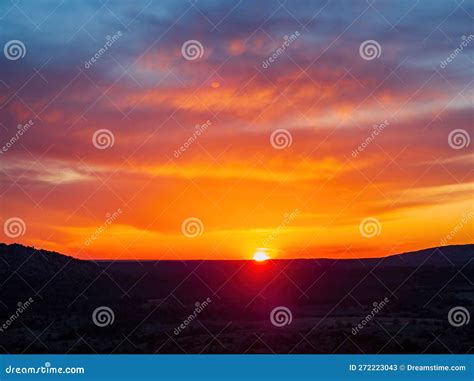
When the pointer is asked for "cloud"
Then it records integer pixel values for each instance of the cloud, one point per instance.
(151, 98)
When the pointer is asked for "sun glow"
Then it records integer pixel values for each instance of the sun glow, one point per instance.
(260, 256)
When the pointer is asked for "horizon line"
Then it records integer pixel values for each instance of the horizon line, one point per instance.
(238, 260)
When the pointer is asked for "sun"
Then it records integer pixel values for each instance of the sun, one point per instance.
(260, 256)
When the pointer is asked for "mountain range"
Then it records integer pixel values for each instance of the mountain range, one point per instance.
(327, 298)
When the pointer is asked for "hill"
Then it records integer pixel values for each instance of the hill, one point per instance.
(327, 298)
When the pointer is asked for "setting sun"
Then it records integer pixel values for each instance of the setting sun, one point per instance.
(260, 256)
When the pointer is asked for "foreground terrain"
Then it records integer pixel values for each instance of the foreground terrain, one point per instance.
(398, 304)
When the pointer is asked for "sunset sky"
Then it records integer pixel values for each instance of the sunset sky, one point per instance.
(308, 197)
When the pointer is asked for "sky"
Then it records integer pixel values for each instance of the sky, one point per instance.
(211, 130)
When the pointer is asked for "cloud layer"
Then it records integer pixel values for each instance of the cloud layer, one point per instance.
(363, 136)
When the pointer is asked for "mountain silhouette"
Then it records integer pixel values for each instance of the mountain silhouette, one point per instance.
(150, 299)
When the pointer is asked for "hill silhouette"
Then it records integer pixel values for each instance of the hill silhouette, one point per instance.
(151, 299)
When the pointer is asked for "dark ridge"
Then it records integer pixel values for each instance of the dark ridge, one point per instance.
(327, 299)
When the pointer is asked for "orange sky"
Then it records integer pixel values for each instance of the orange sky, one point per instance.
(309, 198)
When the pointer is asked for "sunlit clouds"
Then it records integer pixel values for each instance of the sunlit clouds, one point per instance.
(154, 99)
